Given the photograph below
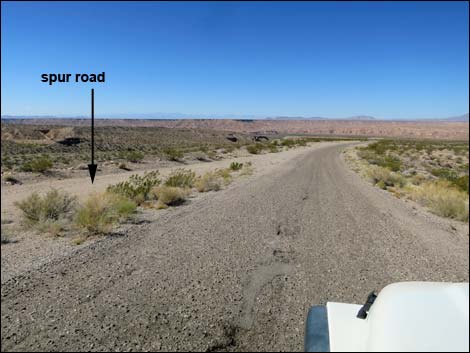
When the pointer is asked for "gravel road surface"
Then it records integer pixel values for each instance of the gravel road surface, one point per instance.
(235, 270)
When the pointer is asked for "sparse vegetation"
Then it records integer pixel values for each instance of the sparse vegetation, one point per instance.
(182, 178)
(433, 173)
(22, 144)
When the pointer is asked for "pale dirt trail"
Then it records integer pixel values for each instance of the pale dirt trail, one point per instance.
(235, 270)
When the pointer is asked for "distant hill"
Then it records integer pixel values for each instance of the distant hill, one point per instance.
(296, 118)
(361, 117)
(463, 118)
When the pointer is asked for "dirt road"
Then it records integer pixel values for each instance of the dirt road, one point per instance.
(236, 270)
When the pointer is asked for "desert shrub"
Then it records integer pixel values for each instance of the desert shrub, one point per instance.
(444, 173)
(273, 147)
(56, 204)
(173, 154)
(229, 149)
(134, 156)
(462, 183)
(443, 199)
(255, 148)
(236, 166)
(224, 173)
(101, 212)
(200, 156)
(54, 228)
(208, 182)
(391, 162)
(5, 237)
(38, 165)
(383, 177)
(51, 207)
(288, 143)
(181, 178)
(137, 188)
(212, 154)
(170, 196)
(12, 180)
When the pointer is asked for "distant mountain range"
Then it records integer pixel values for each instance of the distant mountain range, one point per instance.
(176, 116)
(458, 118)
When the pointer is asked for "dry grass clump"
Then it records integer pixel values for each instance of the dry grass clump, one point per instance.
(123, 166)
(170, 196)
(442, 199)
(247, 169)
(384, 177)
(5, 237)
(181, 178)
(225, 174)
(209, 182)
(101, 212)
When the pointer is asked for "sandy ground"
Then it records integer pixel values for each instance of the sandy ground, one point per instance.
(234, 270)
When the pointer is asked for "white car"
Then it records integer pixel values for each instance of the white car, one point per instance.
(404, 317)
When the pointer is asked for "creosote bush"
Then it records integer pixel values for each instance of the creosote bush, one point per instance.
(137, 188)
(134, 156)
(182, 178)
(256, 148)
(38, 165)
(53, 206)
(173, 154)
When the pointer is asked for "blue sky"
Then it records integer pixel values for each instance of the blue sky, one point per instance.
(332, 59)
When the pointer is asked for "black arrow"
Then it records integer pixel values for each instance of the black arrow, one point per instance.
(92, 167)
